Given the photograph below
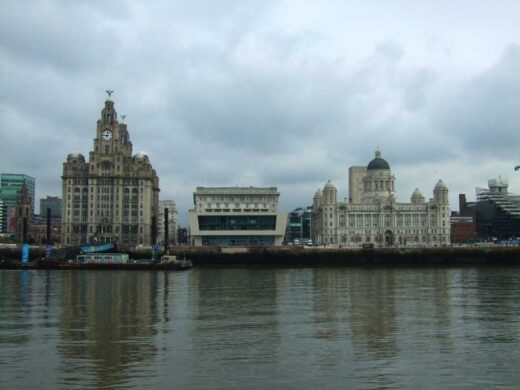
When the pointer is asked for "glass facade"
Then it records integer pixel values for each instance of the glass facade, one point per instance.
(237, 240)
(299, 225)
(494, 222)
(10, 186)
(236, 216)
(237, 222)
(53, 203)
(497, 212)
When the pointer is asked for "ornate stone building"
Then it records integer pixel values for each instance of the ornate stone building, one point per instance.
(372, 214)
(115, 195)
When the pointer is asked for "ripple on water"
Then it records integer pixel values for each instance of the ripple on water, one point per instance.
(261, 328)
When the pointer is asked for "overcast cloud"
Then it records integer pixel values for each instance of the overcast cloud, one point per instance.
(267, 93)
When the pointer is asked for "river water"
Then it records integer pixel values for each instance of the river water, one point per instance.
(261, 328)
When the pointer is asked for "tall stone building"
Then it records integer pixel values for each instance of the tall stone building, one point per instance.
(356, 176)
(115, 195)
(24, 215)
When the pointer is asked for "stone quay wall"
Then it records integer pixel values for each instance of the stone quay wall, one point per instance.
(321, 257)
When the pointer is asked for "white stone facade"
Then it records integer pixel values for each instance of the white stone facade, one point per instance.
(236, 216)
(377, 217)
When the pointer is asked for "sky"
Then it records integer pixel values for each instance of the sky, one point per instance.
(267, 93)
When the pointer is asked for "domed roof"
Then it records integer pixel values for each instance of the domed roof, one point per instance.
(378, 162)
(76, 154)
(440, 184)
(329, 186)
(417, 192)
(140, 155)
(318, 193)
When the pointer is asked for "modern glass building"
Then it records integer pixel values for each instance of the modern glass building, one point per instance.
(299, 225)
(173, 222)
(497, 211)
(10, 186)
(53, 203)
(236, 216)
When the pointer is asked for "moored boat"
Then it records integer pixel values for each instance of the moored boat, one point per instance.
(105, 261)
(122, 261)
(173, 261)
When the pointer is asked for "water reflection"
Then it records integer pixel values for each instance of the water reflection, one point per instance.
(328, 304)
(373, 313)
(107, 325)
(14, 298)
(261, 328)
(235, 314)
(499, 314)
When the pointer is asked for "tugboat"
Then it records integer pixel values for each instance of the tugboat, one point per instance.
(172, 262)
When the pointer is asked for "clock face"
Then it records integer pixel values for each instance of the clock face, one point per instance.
(106, 135)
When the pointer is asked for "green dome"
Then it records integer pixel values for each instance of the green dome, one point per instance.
(378, 163)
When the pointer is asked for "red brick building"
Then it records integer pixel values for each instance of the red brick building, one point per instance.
(463, 226)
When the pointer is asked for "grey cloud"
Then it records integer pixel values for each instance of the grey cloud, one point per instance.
(417, 88)
(390, 50)
(218, 94)
(59, 35)
(482, 112)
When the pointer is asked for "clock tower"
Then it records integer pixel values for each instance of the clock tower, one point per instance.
(114, 195)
